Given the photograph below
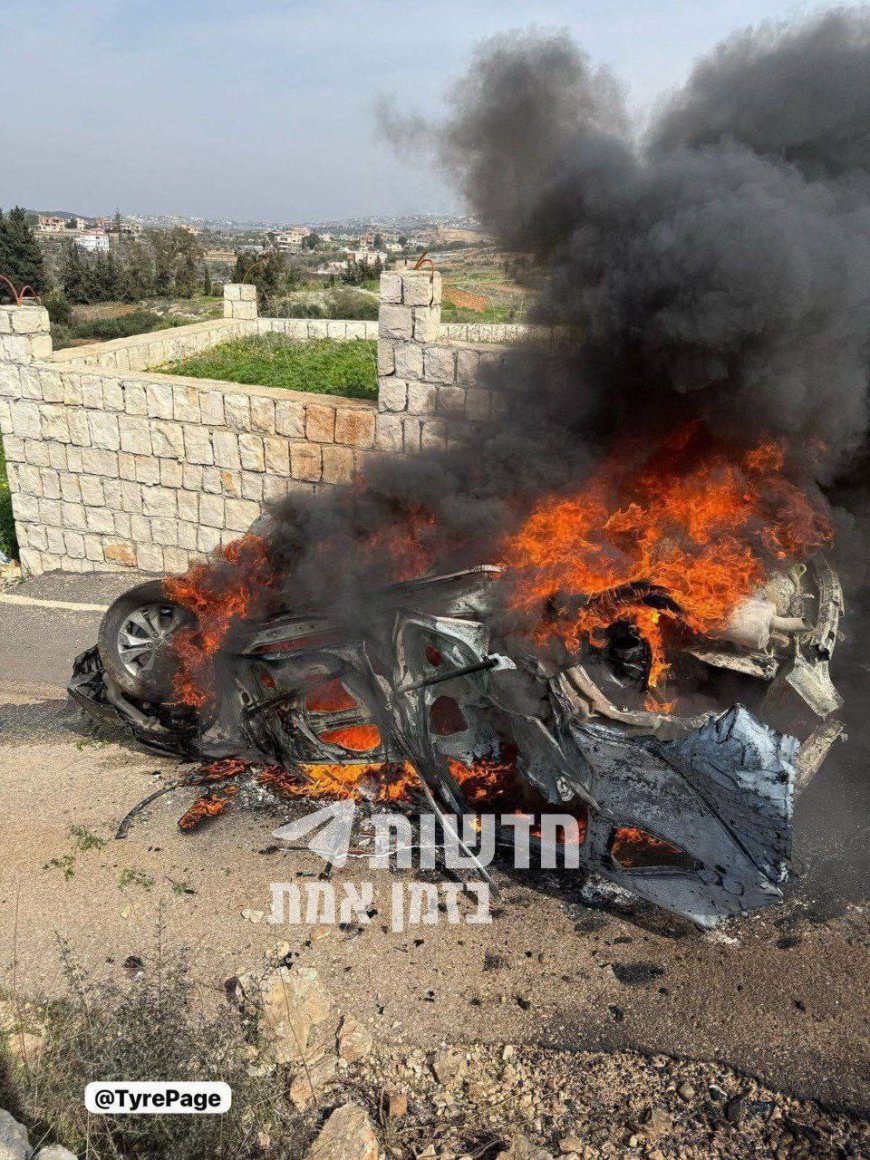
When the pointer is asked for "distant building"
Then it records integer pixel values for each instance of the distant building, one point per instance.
(331, 270)
(365, 257)
(290, 241)
(49, 224)
(93, 241)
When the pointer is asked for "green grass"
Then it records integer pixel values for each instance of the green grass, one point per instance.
(494, 313)
(271, 360)
(8, 539)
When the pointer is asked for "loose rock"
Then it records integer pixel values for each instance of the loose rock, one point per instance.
(346, 1135)
(13, 1138)
(449, 1067)
(397, 1105)
(354, 1041)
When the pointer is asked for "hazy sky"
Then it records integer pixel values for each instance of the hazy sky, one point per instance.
(264, 109)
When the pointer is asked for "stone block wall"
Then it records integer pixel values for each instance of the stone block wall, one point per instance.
(113, 465)
(111, 469)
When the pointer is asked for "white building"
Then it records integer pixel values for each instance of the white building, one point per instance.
(94, 241)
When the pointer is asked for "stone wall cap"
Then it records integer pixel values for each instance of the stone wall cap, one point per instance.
(223, 386)
(133, 341)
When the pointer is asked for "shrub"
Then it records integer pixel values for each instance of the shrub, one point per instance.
(8, 539)
(154, 1026)
(124, 325)
(59, 309)
(352, 304)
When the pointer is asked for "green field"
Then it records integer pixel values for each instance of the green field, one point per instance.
(271, 360)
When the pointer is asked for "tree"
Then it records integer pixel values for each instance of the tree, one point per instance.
(206, 281)
(185, 275)
(72, 273)
(117, 224)
(20, 253)
(267, 270)
(161, 251)
(311, 241)
(403, 241)
(378, 241)
(138, 261)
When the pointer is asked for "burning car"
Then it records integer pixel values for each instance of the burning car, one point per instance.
(438, 694)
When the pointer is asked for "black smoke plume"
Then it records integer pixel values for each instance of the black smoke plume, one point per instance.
(720, 270)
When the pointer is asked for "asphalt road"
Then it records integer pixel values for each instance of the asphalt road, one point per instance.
(784, 995)
(39, 638)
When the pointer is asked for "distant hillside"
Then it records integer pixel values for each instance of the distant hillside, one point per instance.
(61, 213)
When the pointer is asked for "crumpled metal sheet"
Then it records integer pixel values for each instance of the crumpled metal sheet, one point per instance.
(723, 795)
(811, 680)
(746, 772)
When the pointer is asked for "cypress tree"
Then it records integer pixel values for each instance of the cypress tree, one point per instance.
(20, 253)
(72, 274)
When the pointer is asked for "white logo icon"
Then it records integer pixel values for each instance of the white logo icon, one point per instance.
(333, 826)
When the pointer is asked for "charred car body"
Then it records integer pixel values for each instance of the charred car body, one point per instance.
(690, 812)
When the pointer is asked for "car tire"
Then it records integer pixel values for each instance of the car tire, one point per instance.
(135, 641)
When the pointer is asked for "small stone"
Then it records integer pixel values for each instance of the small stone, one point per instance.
(397, 1105)
(354, 1041)
(686, 1091)
(734, 1110)
(54, 1152)
(449, 1067)
(299, 1020)
(570, 1144)
(657, 1124)
(308, 1082)
(13, 1138)
(346, 1135)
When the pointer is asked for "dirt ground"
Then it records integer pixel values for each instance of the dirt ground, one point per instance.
(782, 996)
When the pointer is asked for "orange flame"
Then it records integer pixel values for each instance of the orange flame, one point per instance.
(388, 781)
(218, 604)
(359, 738)
(693, 521)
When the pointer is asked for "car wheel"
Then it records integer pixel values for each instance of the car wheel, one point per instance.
(135, 641)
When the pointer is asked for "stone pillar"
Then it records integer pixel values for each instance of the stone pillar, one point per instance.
(25, 333)
(409, 321)
(410, 308)
(240, 301)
